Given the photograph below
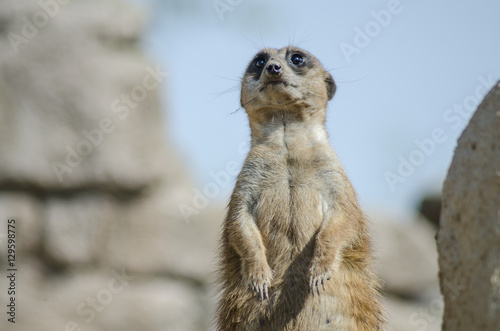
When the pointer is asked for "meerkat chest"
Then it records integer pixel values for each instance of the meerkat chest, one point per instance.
(290, 197)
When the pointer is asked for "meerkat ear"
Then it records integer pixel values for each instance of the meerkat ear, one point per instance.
(330, 85)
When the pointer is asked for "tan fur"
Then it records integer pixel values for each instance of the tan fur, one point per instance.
(295, 251)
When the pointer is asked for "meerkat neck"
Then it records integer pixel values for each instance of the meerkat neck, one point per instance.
(284, 127)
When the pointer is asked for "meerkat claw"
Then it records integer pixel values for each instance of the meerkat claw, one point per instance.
(323, 281)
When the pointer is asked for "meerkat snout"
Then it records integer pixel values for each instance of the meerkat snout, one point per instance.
(273, 69)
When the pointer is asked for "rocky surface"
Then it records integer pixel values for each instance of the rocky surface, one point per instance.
(89, 178)
(79, 98)
(469, 234)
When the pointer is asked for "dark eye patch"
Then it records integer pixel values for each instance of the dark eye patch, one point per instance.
(257, 64)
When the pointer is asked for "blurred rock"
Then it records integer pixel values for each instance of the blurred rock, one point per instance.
(469, 234)
(414, 315)
(430, 208)
(407, 264)
(145, 240)
(89, 177)
(406, 254)
(78, 98)
(113, 299)
(121, 300)
(26, 210)
(77, 229)
(34, 308)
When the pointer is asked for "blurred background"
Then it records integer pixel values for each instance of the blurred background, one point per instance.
(121, 128)
(403, 69)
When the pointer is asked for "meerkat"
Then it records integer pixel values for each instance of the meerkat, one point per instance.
(295, 252)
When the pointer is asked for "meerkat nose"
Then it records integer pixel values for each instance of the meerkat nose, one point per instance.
(273, 69)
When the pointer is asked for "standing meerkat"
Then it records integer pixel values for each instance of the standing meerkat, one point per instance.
(295, 250)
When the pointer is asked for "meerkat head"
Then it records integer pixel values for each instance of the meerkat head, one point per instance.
(285, 79)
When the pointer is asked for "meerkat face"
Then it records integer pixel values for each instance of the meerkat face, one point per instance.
(284, 78)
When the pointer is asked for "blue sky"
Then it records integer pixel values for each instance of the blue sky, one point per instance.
(408, 74)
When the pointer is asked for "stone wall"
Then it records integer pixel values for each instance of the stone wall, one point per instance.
(469, 234)
(88, 176)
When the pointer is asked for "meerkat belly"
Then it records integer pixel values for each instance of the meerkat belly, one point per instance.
(289, 212)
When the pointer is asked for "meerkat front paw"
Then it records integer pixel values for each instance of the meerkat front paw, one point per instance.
(258, 277)
(319, 273)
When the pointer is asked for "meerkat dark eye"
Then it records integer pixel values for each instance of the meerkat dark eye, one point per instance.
(297, 59)
(259, 63)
